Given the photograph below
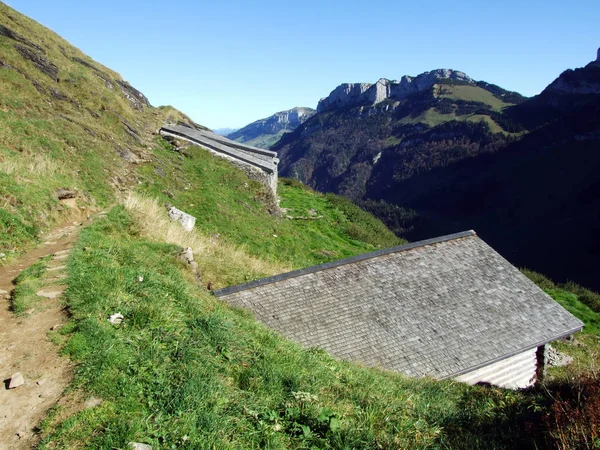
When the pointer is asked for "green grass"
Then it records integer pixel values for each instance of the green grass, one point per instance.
(184, 370)
(264, 140)
(49, 142)
(226, 203)
(433, 118)
(583, 304)
(27, 284)
(472, 94)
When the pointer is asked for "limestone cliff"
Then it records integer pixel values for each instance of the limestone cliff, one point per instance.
(352, 94)
(265, 132)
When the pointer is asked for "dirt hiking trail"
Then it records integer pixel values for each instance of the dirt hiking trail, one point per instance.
(25, 345)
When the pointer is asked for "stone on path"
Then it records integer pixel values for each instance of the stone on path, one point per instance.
(51, 292)
(93, 402)
(16, 380)
(52, 269)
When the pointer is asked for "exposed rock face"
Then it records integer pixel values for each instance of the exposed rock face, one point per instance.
(274, 125)
(351, 94)
(65, 193)
(135, 97)
(7, 32)
(40, 61)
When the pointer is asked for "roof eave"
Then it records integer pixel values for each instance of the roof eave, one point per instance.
(514, 353)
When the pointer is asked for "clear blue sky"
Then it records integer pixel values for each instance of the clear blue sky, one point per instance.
(228, 63)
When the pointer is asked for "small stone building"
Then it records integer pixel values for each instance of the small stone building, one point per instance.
(449, 307)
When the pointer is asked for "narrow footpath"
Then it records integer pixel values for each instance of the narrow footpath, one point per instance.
(26, 346)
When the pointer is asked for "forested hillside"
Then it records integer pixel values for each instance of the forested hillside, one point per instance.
(461, 156)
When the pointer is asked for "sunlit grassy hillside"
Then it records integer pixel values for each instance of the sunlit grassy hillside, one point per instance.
(65, 122)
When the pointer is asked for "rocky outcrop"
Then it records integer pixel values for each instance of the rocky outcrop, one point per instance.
(7, 32)
(39, 60)
(356, 94)
(135, 97)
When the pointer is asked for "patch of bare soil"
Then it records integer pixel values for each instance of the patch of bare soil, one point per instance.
(26, 348)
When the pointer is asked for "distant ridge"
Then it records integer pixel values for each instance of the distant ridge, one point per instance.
(225, 131)
(440, 152)
(265, 132)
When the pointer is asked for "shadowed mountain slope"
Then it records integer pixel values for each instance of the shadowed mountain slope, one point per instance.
(461, 154)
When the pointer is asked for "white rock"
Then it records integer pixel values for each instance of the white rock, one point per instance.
(188, 255)
(93, 402)
(116, 319)
(16, 380)
(187, 221)
(556, 358)
(138, 446)
(50, 292)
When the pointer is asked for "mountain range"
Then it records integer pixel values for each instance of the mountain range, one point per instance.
(441, 152)
(266, 132)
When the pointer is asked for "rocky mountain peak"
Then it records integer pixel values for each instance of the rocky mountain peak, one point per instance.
(265, 132)
(350, 94)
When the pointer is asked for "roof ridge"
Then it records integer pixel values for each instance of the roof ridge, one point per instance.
(342, 262)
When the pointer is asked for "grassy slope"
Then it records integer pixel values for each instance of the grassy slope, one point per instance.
(183, 369)
(585, 305)
(433, 118)
(63, 132)
(472, 94)
(186, 371)
(230, 206)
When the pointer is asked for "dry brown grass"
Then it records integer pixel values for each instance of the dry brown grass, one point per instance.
(35, 164)
(219, 262)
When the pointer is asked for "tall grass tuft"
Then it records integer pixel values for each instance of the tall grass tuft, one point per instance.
(220, 262)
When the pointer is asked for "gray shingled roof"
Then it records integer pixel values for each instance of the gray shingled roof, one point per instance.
(440, 307)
